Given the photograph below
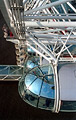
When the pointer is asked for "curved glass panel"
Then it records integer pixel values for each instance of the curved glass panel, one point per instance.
(26, 95)
(21, 88)
(46, 103)
(30, 98)
(31, 63)
(47, 90)
(29, 79)
(38, 88)
(30, 50)
(47, 69)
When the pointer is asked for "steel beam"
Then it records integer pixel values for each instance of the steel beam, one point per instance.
(42, 47)
(50, 24)
(47, 6)
(4, 6)
(50, 17)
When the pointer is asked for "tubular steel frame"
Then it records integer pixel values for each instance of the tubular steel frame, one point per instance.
(39, 23)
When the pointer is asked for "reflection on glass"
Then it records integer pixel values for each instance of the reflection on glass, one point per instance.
(30, 50)
(37, 87)
(10, 69)
(21, 88)
(47, 90)
(30, 98)
(72, 49)
(46, 103)
(31, 63)
(28, 81)
(68, 106)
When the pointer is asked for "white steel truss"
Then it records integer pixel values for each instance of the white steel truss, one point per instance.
(41, 23)
(10, 72)
(48, 27)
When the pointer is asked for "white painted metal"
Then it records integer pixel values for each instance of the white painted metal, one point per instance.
(10, 72)
(50, 24)
(39, 23)
(42, 47)
(67, 80)
(56, 102)
(47, 6)
(71, 7)
(28, 44)
(50, 17)
(64, 45)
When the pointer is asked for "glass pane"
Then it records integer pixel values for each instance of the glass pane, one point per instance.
(46, 103)
(11, 69)
(30, 50)
(72, 49)
(31, 98)
(68, 105)
(74, 3)
(35, 87)
(37, 72)
(21, 89)
(30, 63)
(49, 79)
(29, 79)
(38, 82)
(47, 69)
(42, 102)
(48, 90)
(4, 70)
(68, 9)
